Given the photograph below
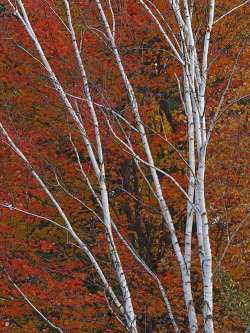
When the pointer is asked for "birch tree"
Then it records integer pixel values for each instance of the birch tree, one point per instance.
(191, 58)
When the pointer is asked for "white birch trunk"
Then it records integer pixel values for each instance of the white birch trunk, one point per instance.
(162, 203)
(129, 311)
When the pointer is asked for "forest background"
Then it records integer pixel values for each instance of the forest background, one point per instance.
(40, 261)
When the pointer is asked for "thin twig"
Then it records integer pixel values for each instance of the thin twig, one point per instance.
(230, 11)
(48, 322)
(11, 207)
(234, 234)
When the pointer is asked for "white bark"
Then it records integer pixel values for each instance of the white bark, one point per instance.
(130, 315)
(162, 203)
